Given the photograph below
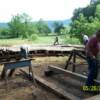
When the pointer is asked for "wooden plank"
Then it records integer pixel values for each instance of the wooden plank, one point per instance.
(46, 48)
(74, 61)
(80, 55)
(55, 89)
(97, 97)
(17, 64)
(69, 73)
(72, 56)
(39, 51)
(7, 62)
(68, 61)
(70, 45)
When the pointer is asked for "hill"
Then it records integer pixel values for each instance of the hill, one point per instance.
(3, 25)
(49, 22)
(65, 22)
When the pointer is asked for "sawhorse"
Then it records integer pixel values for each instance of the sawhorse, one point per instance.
(72, 56)
(16, 64)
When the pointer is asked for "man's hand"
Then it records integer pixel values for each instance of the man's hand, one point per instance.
(93, 57)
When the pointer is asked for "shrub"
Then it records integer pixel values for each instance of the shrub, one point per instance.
(33, 37)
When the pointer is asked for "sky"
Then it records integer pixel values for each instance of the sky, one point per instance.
(36, 9)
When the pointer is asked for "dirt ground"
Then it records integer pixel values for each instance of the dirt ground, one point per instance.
(20, 88)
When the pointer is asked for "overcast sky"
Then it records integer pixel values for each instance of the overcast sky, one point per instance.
(45, 9)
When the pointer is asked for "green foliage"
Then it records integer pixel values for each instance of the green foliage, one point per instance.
(79, 26)
(58, 26)
(33, 37)
(15, 26)
(66, 39)
(87, 11)
(63, 39)
(97, 12)
(65, 30)
(86, 20)
(42, 27)
(21, 26)
(4, 33)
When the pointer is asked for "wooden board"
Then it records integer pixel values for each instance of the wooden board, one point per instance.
(47, 48)
(69, 73)
(97, 97)
(55, 89)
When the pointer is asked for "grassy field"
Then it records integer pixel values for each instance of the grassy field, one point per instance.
(39, 40)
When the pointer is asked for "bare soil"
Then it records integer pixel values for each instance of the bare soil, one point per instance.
(20, 88)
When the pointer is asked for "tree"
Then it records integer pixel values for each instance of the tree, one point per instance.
(21, 26)
(86, 20)
(65, 30)
(76, 13)
(58, 26)
(97, 12)
(15, 26)
(87, 12)
(78, 25)
(4, 33)
(42, 27)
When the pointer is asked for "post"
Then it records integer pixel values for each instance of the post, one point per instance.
(74, 61)
(68, 61)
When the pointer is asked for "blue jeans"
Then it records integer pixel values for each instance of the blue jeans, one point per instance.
(93, 71)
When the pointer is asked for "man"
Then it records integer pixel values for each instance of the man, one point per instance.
(56, 41)
(92, 51)
(24, 51)
(85, 38)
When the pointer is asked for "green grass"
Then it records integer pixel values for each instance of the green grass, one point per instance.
(68, 40)
(39, 40)
(9, 42)
(45, 40)
(62, 40)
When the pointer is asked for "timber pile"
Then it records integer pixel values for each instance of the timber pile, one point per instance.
(9, 53)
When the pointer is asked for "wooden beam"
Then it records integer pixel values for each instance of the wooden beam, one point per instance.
(78, 64)
(97, 97)
(52, 87)
(80, 55)
(74, 61)
(55, 89)
(69, 73)
(68, 61)
(11, 72)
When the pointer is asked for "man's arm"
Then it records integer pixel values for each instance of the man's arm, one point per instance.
(89, 48)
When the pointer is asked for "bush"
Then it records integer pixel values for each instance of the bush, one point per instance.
(33, 37)
(71, 40)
